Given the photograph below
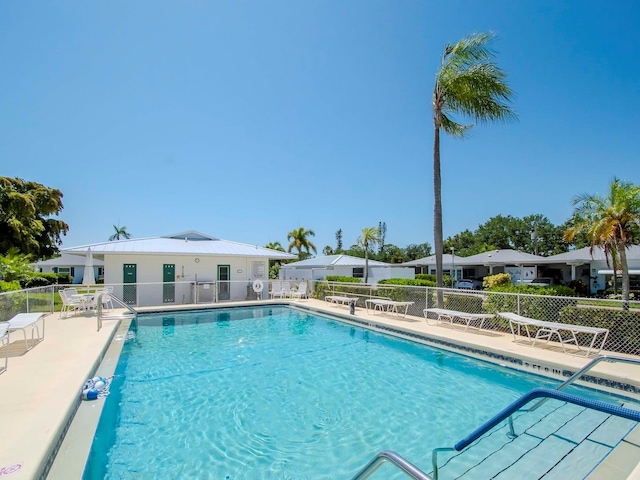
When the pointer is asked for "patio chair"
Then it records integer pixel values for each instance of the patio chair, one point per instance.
(276, 290)
(286, 289)
(69, 304)
(301, 292)
(106, 292)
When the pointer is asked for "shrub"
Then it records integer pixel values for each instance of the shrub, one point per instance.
(497, 280)
(578, 286)
(425, 276)
(9, 286)
(64, 278)
(338, 278)
(408, 281)
(622, 325)
(37, 281)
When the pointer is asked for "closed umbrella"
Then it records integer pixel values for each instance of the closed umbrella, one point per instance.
(89, 277)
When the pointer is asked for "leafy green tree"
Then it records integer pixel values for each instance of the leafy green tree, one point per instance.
(120, 232)
(390, 254)
(610, 222)
(368, 240)
(26, 209)
(15, 266)
(327, 250)
(299, 239)
(464, 243)
(338, 249)
(470, 84)
(413, 251)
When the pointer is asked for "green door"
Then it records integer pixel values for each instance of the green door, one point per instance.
(224, 286)
(169, 279)
(129, 275)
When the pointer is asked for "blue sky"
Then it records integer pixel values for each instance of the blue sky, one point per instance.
(245, 120)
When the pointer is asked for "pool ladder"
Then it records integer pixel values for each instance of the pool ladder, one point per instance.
(543, 394)
(100, 316)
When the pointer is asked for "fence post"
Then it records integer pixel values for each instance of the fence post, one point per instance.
(518, 303)
(27, 301)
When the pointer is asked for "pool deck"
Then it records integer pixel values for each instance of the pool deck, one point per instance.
(40, 390)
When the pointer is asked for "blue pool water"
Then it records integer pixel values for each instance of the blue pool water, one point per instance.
(278, 393)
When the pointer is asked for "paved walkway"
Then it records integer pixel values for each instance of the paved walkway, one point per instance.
(41, 388)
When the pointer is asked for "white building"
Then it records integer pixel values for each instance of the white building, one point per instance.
(318, 268)
(187, 267)
(71, 264)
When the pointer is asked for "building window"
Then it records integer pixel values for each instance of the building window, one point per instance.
(101, 271)
(358, 272)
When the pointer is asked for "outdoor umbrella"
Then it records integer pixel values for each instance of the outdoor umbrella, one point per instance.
(88, 278)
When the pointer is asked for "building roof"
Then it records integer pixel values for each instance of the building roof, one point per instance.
(184, 243)
(67, 260)
(502, 257)
(584, 255)
(431, 260)
(334, 261)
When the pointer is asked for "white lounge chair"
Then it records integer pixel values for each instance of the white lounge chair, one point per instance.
(22, 321)
(301, 292)
(286, 289)
(276, 290)
(105, 300)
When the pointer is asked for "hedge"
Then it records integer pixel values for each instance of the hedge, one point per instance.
(622, 325)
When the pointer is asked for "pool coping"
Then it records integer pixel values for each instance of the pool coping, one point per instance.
(411, 328)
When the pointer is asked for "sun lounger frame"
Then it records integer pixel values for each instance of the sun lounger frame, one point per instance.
(546, 330)
(449, 315)
(389, 306)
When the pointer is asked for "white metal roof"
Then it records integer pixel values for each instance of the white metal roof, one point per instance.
(431, 260)
(324, 261)
(584, 255)
(501, 257)
(67, 260)
(186, 243)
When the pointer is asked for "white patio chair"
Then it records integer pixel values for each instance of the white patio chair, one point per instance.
(276, 290)
(301, 291)
(69, 304)
(286, 289)
(106, 292)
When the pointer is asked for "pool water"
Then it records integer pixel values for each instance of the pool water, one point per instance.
(278, 393)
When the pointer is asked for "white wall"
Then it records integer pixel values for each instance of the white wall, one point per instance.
(149, 269)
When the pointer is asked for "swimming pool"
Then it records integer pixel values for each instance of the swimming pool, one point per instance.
(281, 393)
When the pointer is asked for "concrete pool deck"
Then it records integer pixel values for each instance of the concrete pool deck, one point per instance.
(40, 391)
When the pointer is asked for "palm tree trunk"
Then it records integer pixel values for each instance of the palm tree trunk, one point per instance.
(366, 265)
(437, 214)
(622, 255)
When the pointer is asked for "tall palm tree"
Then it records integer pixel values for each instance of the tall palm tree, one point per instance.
(120, 232)
(299, 239)
(469, 84)
(370, 238)
(610, 222)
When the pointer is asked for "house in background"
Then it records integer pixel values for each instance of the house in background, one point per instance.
(521, 266)
(187, 267)
(427, 265)
(318, 268)
(71, 264)
(591, 267)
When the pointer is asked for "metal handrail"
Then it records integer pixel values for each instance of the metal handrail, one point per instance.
(597, 405)
(113, 298)
(585, 369)
(388, 455)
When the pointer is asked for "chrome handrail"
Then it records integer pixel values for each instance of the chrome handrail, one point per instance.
(113, 298)
(599, 406)
(388, 455)
(586, 368)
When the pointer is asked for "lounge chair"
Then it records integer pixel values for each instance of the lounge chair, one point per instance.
(276, 290)
(286, 289)
(22, 321)
(546, 330)
(389, 306)
(4, 338)
(301, 292)
(69, 304)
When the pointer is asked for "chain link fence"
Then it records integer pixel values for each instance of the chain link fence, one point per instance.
(623, 325)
